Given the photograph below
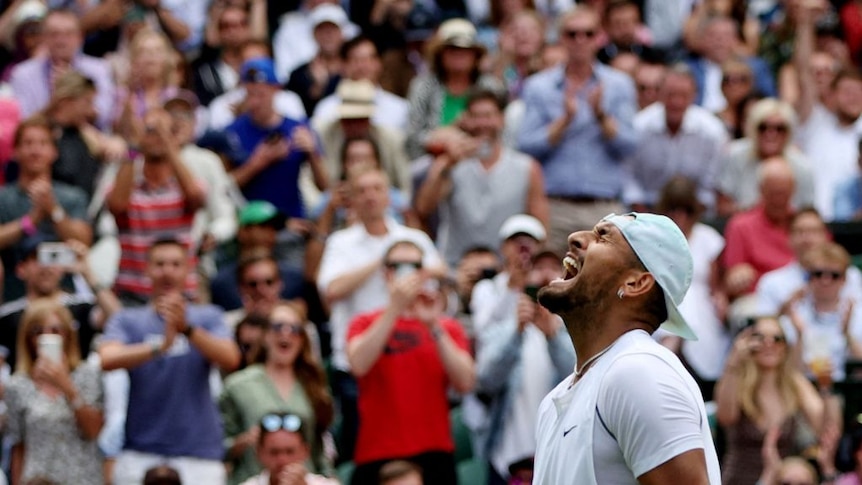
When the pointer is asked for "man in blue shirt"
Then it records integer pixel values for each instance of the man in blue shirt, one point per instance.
(269, 148)
(169, 347)
(578, 125)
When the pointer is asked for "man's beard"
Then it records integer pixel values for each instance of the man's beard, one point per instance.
(580, 303)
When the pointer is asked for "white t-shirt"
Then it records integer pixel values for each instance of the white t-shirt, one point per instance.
(635, 409)
(348, 250)
(833, 150)
(706, 354)
(777, 286)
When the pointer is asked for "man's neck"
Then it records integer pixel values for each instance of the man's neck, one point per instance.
(26, 178)
(595, 334)
(32, 294)
(376, 226)
(157, 171)
(60, 63)
(579, 71)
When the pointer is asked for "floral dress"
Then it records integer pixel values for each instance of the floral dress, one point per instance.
(53, 447)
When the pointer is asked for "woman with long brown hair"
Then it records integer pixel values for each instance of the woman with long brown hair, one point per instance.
(54, 401)
(760, 391)
(289, 378)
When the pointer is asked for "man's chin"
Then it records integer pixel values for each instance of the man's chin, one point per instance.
(555, 298)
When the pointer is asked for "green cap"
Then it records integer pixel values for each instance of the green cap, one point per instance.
(258, 212)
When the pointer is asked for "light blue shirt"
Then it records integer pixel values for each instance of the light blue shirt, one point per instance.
(583, 163)
(847, 200)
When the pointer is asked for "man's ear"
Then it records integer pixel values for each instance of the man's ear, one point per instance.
(637, 283)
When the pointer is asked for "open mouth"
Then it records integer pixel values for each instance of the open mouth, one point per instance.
(571, 267)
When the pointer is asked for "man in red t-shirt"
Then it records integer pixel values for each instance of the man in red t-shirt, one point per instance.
(404, 358)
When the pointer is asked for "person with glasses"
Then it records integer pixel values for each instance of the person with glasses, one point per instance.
(826, 320)
(54, 401)
(769, 130)
(405, 356)
(289, 378)
(283, 451)
(762, 393)
(578, 123)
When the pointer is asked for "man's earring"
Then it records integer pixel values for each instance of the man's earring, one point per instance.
(620, 293)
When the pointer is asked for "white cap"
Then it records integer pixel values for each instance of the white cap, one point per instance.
(662, 248)
(328, 12)
(522, 224)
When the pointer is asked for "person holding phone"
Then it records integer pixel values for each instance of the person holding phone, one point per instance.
(405, 356)
(54, 400)
(520, 357)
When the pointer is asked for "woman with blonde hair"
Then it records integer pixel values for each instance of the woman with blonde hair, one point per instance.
(289, 379)
(769, 128)
(152, 81)
(762, 391)
(54, 401)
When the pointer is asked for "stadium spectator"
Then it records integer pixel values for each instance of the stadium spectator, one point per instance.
(168, 348)
(578, 125)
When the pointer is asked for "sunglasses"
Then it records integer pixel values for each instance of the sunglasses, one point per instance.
(575, 33)
(274, 422)
(253, 284)
(777, 127)
(825, 274)
(641, 87)
(773, 339)
(415, 265)
(294, 328)
(53, 330)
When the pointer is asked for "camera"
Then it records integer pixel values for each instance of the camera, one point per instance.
(55, 254)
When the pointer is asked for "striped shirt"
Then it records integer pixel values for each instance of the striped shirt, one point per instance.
(154, 213)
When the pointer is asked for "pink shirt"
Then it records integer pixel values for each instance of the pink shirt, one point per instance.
(753, 239)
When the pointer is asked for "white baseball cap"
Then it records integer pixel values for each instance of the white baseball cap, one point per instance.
(662, 248)
(522, 224)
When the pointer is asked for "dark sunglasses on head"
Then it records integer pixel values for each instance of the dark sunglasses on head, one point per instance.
(825, 273)
(278, 327)
(778, 127)
(277, 421)
(575, 33)
(774, 339)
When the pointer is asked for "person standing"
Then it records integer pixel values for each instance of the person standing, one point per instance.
(169, 347)
(578, 124)
(630, 413)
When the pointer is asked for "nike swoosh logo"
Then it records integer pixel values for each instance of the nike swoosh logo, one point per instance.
(569, 430)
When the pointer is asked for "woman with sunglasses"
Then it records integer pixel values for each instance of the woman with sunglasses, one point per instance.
(54, 401)
(288, 379)
(283, 451)
(769, 131)
(827, 322)
(762, 391)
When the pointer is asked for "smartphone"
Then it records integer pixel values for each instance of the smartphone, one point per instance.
(405, 269)
(532, 291)
(55, 254)
(50, 346)
(488, 274)
(273, 137)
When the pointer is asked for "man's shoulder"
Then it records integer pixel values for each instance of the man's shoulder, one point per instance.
(28, 68)
(13, 309)
(705, 122)
(68, 193)
(95, 65)
(612, 78)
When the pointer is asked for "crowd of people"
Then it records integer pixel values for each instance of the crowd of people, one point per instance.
(300, 242)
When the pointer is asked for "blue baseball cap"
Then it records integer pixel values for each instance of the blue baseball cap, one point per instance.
(662, 248)
(258, 70)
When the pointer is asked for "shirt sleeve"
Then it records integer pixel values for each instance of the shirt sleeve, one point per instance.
(456, 332)
(115, 329)
(359, 324)
(734, 250)
(645, 404)
(212, 320)
(88, 379)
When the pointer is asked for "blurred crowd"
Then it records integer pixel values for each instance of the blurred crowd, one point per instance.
(299, 242)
